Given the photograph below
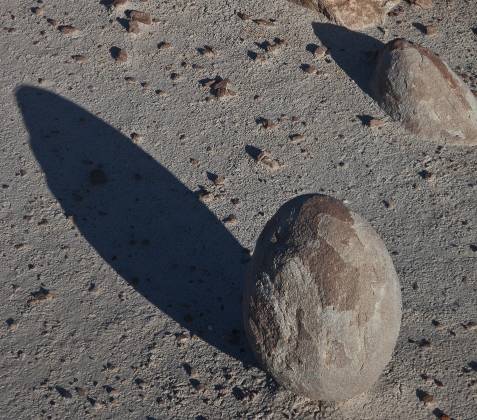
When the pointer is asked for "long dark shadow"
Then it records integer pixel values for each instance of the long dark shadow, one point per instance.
(150, 228)
(354, 52)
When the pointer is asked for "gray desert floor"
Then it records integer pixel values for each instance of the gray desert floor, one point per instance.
(123, 255)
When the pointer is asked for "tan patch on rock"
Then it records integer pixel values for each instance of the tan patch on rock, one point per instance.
(328, 205)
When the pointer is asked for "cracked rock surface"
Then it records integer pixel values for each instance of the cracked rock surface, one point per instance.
(322, 303)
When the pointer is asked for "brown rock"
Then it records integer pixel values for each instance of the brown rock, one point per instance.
(39, 11)
(163, 45)
(142, 17)
(116, 4)
(322, 303)
(79, 58)
(133, 27)
(425, 4)
(68, 30)
(430, 30)
(416, 87)
(354, 14)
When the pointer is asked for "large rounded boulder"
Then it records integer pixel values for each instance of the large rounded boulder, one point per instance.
(354, 14)
(417, 88)
(322, 303)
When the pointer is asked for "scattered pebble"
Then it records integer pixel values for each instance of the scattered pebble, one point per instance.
(119, 55)
(11, 324)
(389, 203)
(425, 4)
(266, 123)
(273, 45)
(264, 22)
(164, 45)
(136, 138)
(205, 196)
(63, 392)
(265, 158)
(52, 22)
(470, 325)
(430, 30)
(207, 51)
(320, 52)
(243, 16)
(296, 138)
(424, 396)
(42, 294)
(310, 69)
(375, 123)
(133, 27)
(425, 174)
(218, 180)
(79, 58)
(230, 220)
(116, 4)
(219, 87)
(68, 30)
(130, 79)
(142, 17)
(39, 11)
(196, 384)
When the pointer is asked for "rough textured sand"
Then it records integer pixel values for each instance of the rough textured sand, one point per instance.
(120, 289)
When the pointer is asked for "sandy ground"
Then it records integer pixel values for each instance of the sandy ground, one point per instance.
(120, 280)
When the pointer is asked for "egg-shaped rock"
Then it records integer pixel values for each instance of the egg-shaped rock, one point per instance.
(417, 88)
(354, 14)
(322, 302)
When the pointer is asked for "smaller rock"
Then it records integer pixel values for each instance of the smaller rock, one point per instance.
(119, 55)
(136, 138)
(133, 27)
(219, 87)
(40, 295)
(79, 58)
(320, 52)
(265, 158)
(207, 51)
(230, 220)
(117, 4)
(243, 16)
(39, 11)
(11, 324)
(164, 45)
(52, 22)
(430, 30)
(424, 396)
(296, 138)
(424, 4)
(267, 124)
(310, 69)
(68, 30)
(375, 123)
(264, 22)
(142, 17)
